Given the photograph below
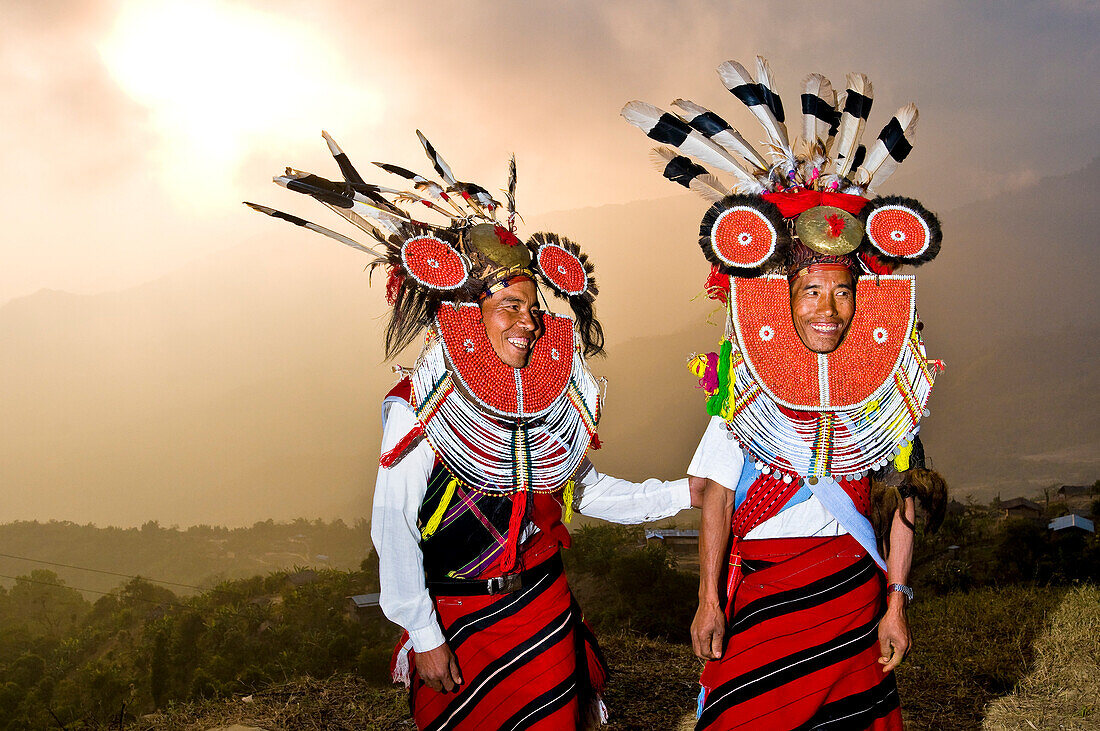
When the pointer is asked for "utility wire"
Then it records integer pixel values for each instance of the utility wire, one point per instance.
(102, 571)
(91, 591)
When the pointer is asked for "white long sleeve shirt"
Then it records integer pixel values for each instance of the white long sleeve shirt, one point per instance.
(399, 493)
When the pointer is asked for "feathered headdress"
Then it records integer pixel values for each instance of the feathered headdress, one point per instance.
(466, 255)
(814, 191)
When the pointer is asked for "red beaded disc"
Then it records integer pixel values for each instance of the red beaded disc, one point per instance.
(564, 270)
(743, 237)
(898, 231)
(433, 263)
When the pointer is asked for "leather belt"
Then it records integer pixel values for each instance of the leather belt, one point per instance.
(498, 584)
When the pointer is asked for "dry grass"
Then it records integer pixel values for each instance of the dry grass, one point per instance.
(1062, 691)
(339, 703)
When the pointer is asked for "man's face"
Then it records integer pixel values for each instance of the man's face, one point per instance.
(822, 306)
(513, 322)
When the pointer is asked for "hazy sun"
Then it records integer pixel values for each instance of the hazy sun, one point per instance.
(220, 81)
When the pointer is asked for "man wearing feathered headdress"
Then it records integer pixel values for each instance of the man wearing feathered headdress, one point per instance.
(816, 398)
(484, 454)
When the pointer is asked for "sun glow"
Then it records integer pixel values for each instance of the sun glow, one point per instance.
(221, 82)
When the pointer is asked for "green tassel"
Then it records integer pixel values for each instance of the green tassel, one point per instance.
(567, 501)
(441, 509)
(715, 402)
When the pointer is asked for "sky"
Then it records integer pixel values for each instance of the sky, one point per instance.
(132, 130)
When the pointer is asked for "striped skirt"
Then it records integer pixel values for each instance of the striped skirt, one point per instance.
(802, 644)
(528, 661)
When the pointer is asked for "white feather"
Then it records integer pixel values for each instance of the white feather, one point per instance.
(645, 117)
(734, 75)
(851, 127)
(879, 164)
(706, 185)
(730, 139)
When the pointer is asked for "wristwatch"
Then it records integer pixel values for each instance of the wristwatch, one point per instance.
(906, 590)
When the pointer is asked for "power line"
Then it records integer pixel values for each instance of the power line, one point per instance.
(92, 591)
(108, 573)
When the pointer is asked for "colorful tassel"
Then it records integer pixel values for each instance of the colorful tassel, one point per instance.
(515, 524)
(390, 458)
(901, 462)
(718, 400)
(567, 501)
(440, 510)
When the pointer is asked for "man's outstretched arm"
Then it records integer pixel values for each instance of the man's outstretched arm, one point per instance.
(708, 629)
(893, 631)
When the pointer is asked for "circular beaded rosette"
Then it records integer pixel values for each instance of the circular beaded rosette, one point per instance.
(743, 237)
(563, 270)
(742, 233)
(433, 263)
(903, 230)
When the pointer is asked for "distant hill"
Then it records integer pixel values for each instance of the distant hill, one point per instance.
(98, 560)
(247, 386)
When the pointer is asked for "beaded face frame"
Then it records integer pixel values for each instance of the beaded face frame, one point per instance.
(459, 252)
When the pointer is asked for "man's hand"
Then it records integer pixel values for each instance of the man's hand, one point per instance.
(438, 668)
(708, 630)
(893, 634)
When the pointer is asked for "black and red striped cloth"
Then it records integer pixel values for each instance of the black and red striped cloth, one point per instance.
(528, 661)
(802, 642)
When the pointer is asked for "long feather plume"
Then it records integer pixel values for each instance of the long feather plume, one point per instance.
(358, 221)
(890, 149)
(692, 176)
(819, 116)
(742, 86)
(719, 130)
(314, 227)
(438, 162)
(766, 82)
(346, 168)
(853, 117)
(510, 194)
(430, 187)
(671, 130)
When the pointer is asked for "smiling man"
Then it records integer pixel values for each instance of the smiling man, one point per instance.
(816, 398)
(484, 454)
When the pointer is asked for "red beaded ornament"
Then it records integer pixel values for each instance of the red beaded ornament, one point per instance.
(564, 271)
(508, 391)
(798, 378)
(433, 263)
(742, 236)
(898, 231)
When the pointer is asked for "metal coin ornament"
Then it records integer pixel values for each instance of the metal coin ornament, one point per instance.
(433, 263)
(563, 270)
(829, 230)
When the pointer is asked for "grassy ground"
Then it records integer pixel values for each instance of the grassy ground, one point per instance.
(970, 649)
(1062, 690)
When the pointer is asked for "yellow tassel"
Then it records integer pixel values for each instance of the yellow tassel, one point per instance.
(567, 501)
(901, 462)
(441, 509)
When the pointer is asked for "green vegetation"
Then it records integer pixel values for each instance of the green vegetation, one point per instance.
(148, 656)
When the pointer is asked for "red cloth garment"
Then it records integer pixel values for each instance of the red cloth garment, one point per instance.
(528, 661)
(802, 642)
(791, 203)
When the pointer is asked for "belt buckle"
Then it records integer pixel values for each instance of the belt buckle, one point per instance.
(504, 584)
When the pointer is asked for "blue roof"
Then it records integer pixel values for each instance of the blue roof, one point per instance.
(1072, 521)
